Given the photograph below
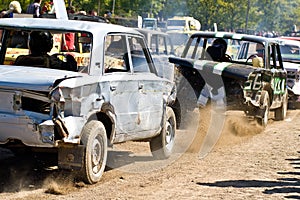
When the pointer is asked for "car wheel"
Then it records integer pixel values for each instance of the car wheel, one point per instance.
(95, 155)
(162, 145)
(265, 108)
(280, 113)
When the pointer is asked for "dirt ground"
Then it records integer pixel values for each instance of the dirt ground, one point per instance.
(247, 162)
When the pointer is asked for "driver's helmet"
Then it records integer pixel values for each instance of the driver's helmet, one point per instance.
(40, 42)
(220, 42)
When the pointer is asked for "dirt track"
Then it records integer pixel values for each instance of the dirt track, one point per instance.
(246, 163)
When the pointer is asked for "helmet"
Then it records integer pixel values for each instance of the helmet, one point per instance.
(220, 42)
(40, 42)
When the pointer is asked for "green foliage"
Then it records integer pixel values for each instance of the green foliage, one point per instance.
(263, 15)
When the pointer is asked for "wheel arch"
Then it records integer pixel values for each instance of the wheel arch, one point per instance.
(107, 117)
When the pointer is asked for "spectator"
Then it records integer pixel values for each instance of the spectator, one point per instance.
(68, 42)
(81, 12)
(3, 14)
(107, 14)
(34, 8)
(92, 13)
(47, 8)
(68, 38)
(71, 10)
(15, 7)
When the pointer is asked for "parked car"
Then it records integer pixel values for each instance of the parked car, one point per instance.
(150, 23)
(247, 82)
(113, 95)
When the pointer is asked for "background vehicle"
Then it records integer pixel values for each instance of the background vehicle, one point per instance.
(183, 23)
(161, 48)
(150, 23)
(290, 53)
(114, 96)
(254, 85)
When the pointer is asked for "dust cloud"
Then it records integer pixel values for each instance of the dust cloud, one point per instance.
(241, 126)
(236, 127)
(61, 184)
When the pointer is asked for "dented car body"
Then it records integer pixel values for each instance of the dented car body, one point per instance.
(252, 80)
(291, 58)
(115, 95)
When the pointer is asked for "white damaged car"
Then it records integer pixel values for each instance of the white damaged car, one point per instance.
(101, 90)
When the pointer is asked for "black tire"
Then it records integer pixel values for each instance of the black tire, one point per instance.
(280, 113)
(94, 139)
(162, 145)
(265, 108)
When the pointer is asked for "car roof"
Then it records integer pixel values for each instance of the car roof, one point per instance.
(287, 41)
(62, 24)
(230, 35)
(290, 38)
(154, 32)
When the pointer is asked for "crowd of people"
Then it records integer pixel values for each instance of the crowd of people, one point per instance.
(37, 8)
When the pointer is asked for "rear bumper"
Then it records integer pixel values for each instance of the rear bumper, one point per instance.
(26, 130)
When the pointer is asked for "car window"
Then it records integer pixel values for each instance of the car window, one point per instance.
(290, 49)
(140, 61)
(66, 51)
(116, 56)
(195, 50)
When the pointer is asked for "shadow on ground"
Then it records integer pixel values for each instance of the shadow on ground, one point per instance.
(25, 171)
(288, 185)
(30, 171)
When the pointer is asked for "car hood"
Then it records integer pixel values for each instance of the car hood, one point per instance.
(32, 78)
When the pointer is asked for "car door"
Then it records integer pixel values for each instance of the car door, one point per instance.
(279, 75)
(136, 92)
(151, 87)
(121, 84)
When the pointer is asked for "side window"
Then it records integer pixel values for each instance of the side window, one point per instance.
(116, 56)
(140, 60)
(259, 54)
(194, 48)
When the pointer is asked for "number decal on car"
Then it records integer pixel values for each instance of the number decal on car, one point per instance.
(279, 85)
(254, 82)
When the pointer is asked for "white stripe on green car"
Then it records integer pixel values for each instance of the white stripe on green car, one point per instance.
(199, 64)
(218, 69)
